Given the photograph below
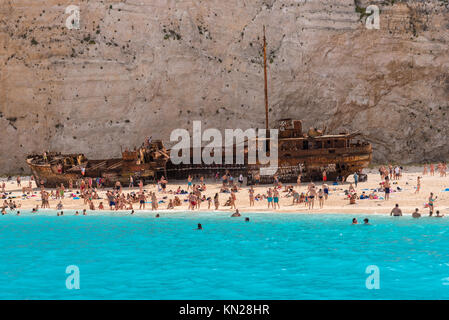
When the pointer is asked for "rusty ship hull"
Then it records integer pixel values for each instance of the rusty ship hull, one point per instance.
(54, 169)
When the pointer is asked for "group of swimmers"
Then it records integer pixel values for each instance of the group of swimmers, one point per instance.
(397, 212)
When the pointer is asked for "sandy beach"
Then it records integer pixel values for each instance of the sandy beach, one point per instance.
(337, 202)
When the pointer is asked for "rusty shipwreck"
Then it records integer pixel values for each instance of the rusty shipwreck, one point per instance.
(308, 154)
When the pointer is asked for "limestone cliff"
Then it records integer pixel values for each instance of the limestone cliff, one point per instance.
(145, 67)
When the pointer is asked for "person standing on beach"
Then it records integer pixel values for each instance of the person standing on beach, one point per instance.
(276, 199)
(324, 176)
(298, 181)
(431, 204)
(432, 169)
(233, 199)
(142, 200)
(269, 197)
(418, 184)
(111, 199)
(424, 172)
(381, 172)
(276, 180)
(241, 180)
(256, 178)
(356, 179)
(225, 180)
(189, 182)
(396, 211)
(326, 191)
(131, 182)
(154, 204)
(312, 195)
(251, 196)
(387, 188)
(397, 173)
(163, 184)
(18, 181)
(321, 198)
(141, 186)
(216, 201)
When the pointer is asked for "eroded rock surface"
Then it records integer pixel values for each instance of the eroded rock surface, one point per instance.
(145, 67)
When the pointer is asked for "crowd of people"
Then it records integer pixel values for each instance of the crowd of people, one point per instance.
(193, 196)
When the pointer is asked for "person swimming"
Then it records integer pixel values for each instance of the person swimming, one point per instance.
(157, 215)
(354, 221)
(416, 214)
(236, 213)
(366, 221)
(438, 214)
(200, 227)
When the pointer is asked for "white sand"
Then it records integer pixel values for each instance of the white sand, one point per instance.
(337, 202)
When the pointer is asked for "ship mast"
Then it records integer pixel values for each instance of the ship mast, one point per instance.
(265, 77)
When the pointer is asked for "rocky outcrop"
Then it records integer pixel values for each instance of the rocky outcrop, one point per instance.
(145, 67)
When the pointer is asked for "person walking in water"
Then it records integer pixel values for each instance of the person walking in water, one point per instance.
(396, 211)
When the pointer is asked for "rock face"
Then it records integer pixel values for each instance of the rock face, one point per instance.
(137, 68)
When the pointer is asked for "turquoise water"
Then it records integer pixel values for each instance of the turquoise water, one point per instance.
(274, 256)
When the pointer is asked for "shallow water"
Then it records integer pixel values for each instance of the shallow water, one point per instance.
(274, 256)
